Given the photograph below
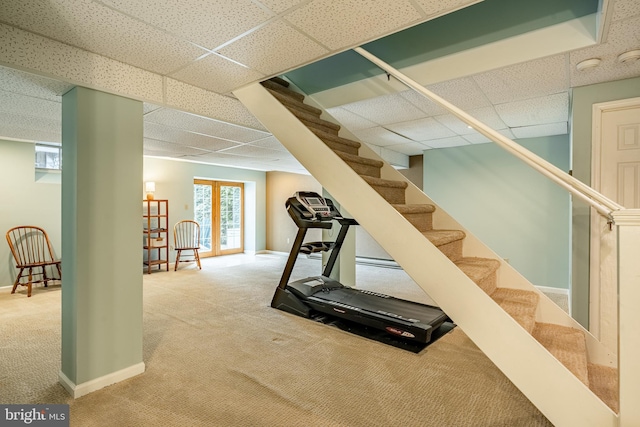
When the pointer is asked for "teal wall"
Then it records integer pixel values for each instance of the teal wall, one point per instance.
(518, 213)
(27, 199)
(101, 254)
(583, 99)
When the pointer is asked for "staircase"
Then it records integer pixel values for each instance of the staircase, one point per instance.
(561, 368)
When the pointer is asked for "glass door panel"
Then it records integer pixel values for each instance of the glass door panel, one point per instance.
(219, 211)
(230, 218)
(202, 212)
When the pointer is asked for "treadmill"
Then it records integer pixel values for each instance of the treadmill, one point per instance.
(404, 320)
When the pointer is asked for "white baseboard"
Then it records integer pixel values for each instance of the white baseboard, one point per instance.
(78, 390)
(550, 290)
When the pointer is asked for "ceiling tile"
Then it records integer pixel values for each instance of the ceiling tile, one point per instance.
(217, 74)
(546, 109)
(185, 138)
(208, 23)
(279, 6)
(623, 36)
(534, 78)
(486, 115)
(439, 7)
(385, 109)
(273, 48)
(96, 28)
(149, 108)
(29, 106)
(32, 85)
(463, 93)
(426, 105)
(7, 130)
(205, 126)
(337, 24)
(254, 151)
(410, 149)
(623, 9)
(421, 129)
(187, 97)
(380, 136)
(270, 142)
(540, 130)
(158, 146)
(49, 124)
(350, 120)
(476, 138)
(455, 141)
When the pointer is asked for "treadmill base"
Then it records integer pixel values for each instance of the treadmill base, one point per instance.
(381, 336)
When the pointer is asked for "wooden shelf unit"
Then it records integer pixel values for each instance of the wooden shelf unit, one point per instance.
(155, 229)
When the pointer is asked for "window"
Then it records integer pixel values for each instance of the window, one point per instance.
(48, 156)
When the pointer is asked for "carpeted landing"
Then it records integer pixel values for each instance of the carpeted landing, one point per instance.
(217, 354)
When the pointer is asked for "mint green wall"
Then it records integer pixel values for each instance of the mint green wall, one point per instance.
(174, 182)
(26, 200)
(583, 99)
(101, 254)
(518, 213)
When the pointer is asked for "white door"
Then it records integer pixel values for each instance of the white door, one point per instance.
(616, 174)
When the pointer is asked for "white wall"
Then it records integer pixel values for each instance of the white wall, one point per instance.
(26, 200)
(174, 181)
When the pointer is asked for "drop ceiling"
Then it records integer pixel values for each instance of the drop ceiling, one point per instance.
(222, 45)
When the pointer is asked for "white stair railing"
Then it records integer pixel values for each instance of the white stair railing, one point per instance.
(626, 220)
(577, 188)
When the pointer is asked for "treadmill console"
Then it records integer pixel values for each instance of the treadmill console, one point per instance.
(313, 206)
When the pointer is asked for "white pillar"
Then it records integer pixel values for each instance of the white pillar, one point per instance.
(628, 223)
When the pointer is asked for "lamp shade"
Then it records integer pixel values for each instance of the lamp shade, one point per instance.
(150, 186)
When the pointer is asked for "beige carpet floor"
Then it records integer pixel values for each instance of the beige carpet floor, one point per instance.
(217, 354)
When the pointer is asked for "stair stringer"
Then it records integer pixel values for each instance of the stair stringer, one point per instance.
(559, 395)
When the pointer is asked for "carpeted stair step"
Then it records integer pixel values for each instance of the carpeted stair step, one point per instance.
(418, 215)
(568, 345)
(481, 270)
(294, 103)
(520, 304)
(603, 381)
(448, 241)
(274, 85)
(312, 121)
(362, 165)
(392, 191)
(337, 143)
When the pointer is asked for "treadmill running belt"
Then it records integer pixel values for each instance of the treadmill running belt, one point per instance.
(385, 305)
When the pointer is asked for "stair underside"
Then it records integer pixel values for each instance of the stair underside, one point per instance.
(568, 345)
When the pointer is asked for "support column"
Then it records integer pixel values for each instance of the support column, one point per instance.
(345, 268)
(628, 223)
(101, 240)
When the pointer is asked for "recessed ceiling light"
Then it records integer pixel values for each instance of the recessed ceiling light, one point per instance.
(588, 64)
(629, 57)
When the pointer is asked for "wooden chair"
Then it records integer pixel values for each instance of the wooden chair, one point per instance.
(186, 237)
(31, 250)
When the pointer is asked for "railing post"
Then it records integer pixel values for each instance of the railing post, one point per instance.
(628, 223)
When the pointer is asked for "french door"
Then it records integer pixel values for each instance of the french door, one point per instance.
(218, 208)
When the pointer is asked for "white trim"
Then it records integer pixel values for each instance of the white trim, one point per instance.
(550, 290)
(78, 390)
